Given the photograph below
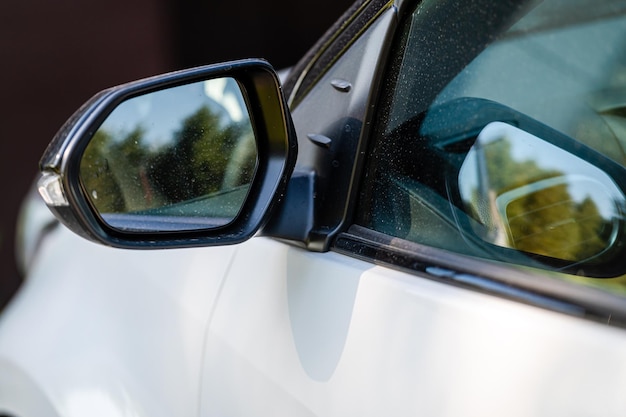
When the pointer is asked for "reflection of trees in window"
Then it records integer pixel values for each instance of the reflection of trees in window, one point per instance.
(128, 175)
(546, 221)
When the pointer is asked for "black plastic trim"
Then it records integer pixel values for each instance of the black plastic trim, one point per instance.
(330, 47)
(293, 219)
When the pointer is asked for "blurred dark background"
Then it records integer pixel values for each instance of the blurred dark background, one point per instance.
(55, 55)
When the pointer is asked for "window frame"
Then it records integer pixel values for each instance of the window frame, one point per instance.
(516, 283)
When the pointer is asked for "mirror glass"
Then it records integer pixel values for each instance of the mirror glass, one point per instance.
(182, 158)
(526, 194)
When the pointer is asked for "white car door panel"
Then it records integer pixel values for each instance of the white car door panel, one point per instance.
(112, 369)
(300, 334)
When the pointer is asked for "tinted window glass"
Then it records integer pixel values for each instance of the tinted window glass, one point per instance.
(502, 135)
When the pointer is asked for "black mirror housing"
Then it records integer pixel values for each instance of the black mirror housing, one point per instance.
(66, 195)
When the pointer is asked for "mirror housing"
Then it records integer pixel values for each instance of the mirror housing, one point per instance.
(67, 192)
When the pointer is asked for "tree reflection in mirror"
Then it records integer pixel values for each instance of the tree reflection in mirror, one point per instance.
(529, 195)
(181, 158)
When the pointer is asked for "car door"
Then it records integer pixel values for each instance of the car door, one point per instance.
(407, 314)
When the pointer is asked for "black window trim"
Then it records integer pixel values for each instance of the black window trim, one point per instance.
(501, 280)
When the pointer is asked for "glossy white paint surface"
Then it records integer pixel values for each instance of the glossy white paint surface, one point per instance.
(117, 333)
(325, 335)
(293, 333)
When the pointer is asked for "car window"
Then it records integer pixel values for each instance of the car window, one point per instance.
(501, 134)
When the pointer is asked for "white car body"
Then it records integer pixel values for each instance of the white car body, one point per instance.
(307, 334)
(269, 328)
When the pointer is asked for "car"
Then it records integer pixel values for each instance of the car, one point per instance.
(424, 216)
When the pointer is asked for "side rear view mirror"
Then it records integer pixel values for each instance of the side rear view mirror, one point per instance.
(197, 157)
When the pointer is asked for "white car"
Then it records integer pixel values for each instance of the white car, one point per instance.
(426, 216)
